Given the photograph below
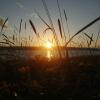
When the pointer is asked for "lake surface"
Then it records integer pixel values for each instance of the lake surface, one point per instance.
(30, 53)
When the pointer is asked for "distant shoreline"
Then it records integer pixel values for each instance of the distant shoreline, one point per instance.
(40, 48)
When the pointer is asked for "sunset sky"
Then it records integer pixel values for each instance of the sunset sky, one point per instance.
(79, 13)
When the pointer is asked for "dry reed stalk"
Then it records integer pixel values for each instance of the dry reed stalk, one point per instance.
(67, 55)
(7, 39)
(60, 29)
(4, 24)
(5, 36)
(66, 18)
(91, 40)
(52, 27)
(47, 30)
(4, 43)
(26, 34)
(97, 38)
(33, 27)
(20, 26)
(89, 44)
(61, 20)
(42, 19)
(88, 36)
(20, 32)
(59, 24)
(88, 25)
(15, 29)
(48, 26)
(35, 31)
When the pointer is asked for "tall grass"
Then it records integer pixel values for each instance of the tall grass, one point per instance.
(88, 25)
(35, 31)
(20, 32)
(67, 55)
(91, 38)
(16, 32)
(61, 20)
(97, 38)
(66, 19)
(59, 24)
(7, 40)
(4, 24)
(25, 34)
(52, 27)
(42, 19)
(89, 44)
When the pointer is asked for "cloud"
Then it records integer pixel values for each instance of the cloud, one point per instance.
(19, 5)
(33, 15)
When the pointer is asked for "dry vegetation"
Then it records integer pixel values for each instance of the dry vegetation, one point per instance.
(66, 78)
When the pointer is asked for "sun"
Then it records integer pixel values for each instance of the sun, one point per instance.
(48, 45)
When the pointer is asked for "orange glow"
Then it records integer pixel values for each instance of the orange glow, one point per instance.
(48, 45)
(48, 54)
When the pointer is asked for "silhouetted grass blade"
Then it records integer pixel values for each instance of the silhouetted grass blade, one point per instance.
(20, 26)
(59, 24)
(33, 27)
(88, 25)
(4, 24)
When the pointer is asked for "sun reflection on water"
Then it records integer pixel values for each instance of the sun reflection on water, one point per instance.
(49, 54)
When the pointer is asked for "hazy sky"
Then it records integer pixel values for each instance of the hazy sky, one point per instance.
(79, 13)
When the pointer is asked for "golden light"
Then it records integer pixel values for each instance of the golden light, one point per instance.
(49, 49)
(48, 45)
(48, 54)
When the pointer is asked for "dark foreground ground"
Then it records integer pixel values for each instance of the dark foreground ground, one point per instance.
(40, 79)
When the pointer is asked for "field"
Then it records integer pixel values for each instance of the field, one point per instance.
(76, 78)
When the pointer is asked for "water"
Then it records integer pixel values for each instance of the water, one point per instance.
(31, 54)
